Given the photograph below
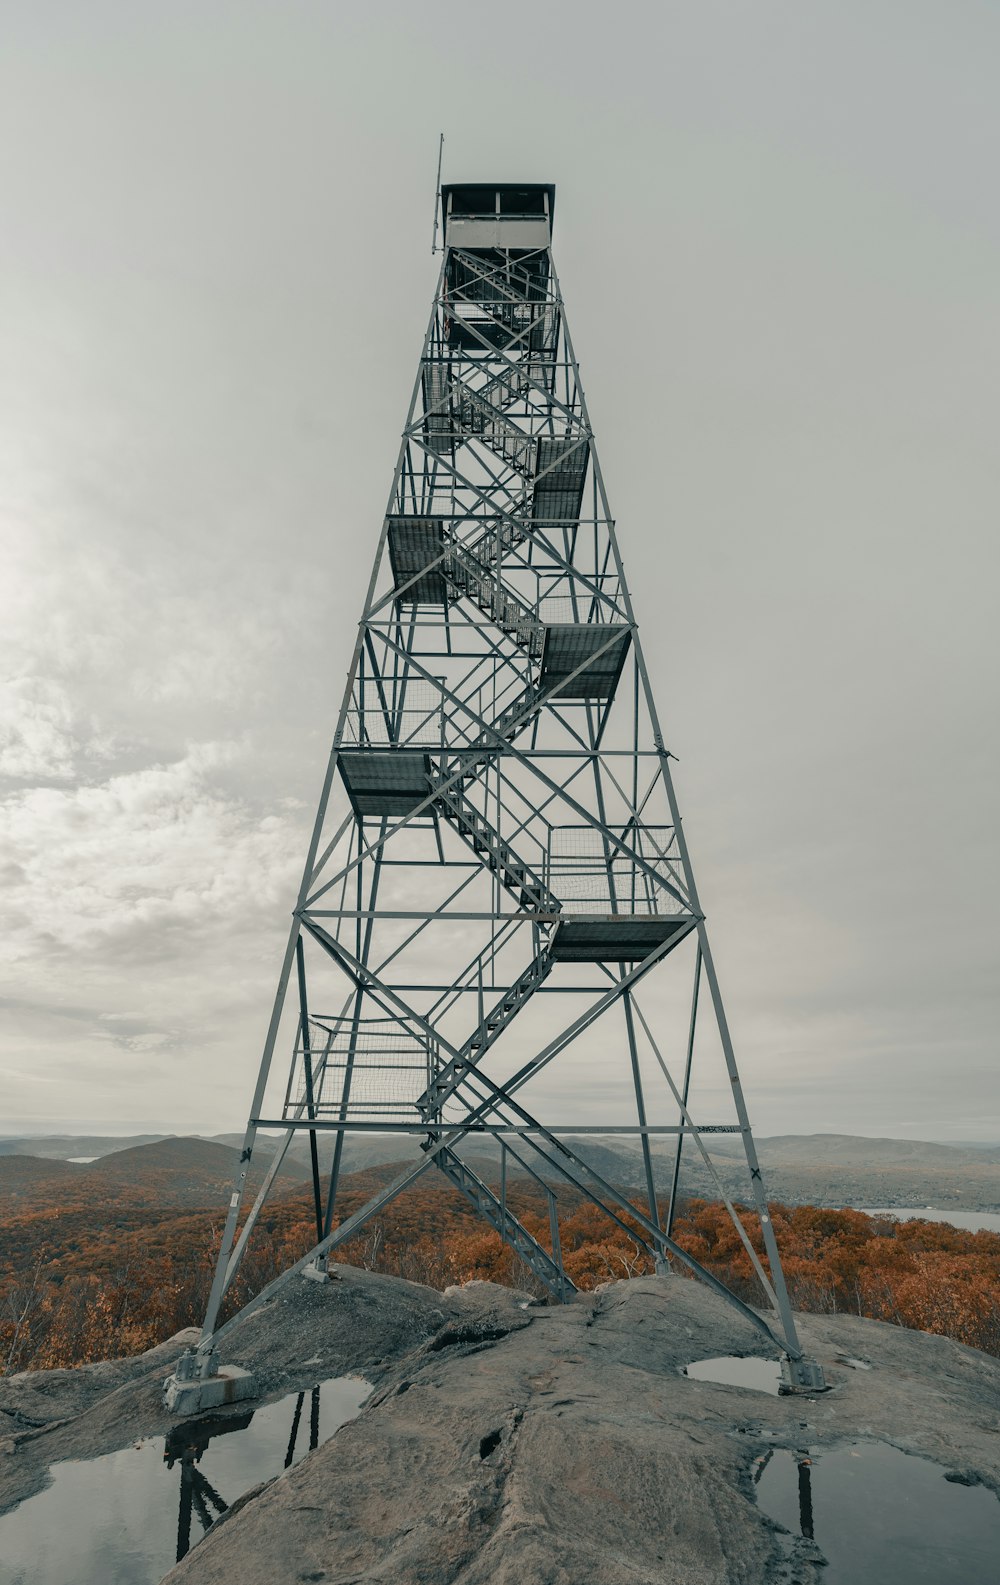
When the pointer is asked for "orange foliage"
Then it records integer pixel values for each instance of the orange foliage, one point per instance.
(87, 1283)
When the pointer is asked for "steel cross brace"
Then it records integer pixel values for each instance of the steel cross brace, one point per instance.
(572, 1166)
(452, 1134)
(535, 769)
(503, 744)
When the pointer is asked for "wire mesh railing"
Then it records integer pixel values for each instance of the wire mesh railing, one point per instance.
(363, 1069)
(591, 875)
(413, 717)
(582, 607)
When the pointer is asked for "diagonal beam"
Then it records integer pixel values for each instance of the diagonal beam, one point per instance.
(590, 1015)
(694, 1130)
(576, 1171)
(536, 770)
(488, 729)
(210, 1340)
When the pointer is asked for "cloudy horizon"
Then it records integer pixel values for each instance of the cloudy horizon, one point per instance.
(778, 240)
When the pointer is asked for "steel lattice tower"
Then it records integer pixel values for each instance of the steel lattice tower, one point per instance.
(498, 837)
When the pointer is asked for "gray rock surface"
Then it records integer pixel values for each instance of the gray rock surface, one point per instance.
(35, 1399)
(548, 1446)
(352, 1327)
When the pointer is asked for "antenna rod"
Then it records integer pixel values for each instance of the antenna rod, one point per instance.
(437, 196)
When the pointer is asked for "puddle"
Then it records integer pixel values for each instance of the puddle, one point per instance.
(882, 1517)
(127, 1517)
(732, 1370)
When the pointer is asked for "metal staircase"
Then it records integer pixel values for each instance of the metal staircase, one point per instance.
(504, 301)
(514, 719)
(478, 278)
(475, 414)
(538, 1260)
(474, 578)
(495, 1022)
(498, 538)
(497, 855)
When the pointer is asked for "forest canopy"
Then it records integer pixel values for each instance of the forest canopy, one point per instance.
(86, 1279)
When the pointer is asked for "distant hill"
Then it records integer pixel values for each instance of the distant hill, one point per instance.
(198, 1156)
(800, 1169)
(843, 1169)
(64, 1147)
(173, 1173)
(184, 1172)
(850, 1150)
(23, 1178)
(822, 1169)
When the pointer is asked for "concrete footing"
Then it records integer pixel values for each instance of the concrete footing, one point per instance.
(190, 1394)
(317, 1273)
(802, 1375)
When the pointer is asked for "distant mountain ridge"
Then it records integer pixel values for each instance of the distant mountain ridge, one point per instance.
(63, 1147)
(806, 1149)
(174, 1172)
(780, 1147)
(822, 1169)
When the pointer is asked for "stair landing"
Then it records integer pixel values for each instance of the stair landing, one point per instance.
(613, 938)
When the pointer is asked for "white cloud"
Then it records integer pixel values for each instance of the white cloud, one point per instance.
(37, 736)
(142, 858)
(148, 1040)
(195, 440)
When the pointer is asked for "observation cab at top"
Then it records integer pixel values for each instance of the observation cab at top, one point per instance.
(509, 228)
(501, 216)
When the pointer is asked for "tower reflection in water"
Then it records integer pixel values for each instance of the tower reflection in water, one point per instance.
(803, 1465)
(186, 1444)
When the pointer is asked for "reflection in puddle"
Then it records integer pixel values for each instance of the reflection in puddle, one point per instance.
(882, 1517)
(733, 1370)
(188, 1441)
(185, 1444)
(125, 1518)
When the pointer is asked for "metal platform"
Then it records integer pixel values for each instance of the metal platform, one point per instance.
(560, 474)
(614, 938)
(439, 431)
(385, 781)
(415, 543)
(570, 644)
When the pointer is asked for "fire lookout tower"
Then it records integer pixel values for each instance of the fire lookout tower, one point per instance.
(497, 873)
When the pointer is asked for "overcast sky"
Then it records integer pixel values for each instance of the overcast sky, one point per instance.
(778, 236)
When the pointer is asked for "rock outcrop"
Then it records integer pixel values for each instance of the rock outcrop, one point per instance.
(508, 1442)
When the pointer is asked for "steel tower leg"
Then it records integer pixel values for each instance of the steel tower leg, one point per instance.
(685, 1093)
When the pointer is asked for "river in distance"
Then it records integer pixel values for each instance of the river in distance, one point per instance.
(972, 1221)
